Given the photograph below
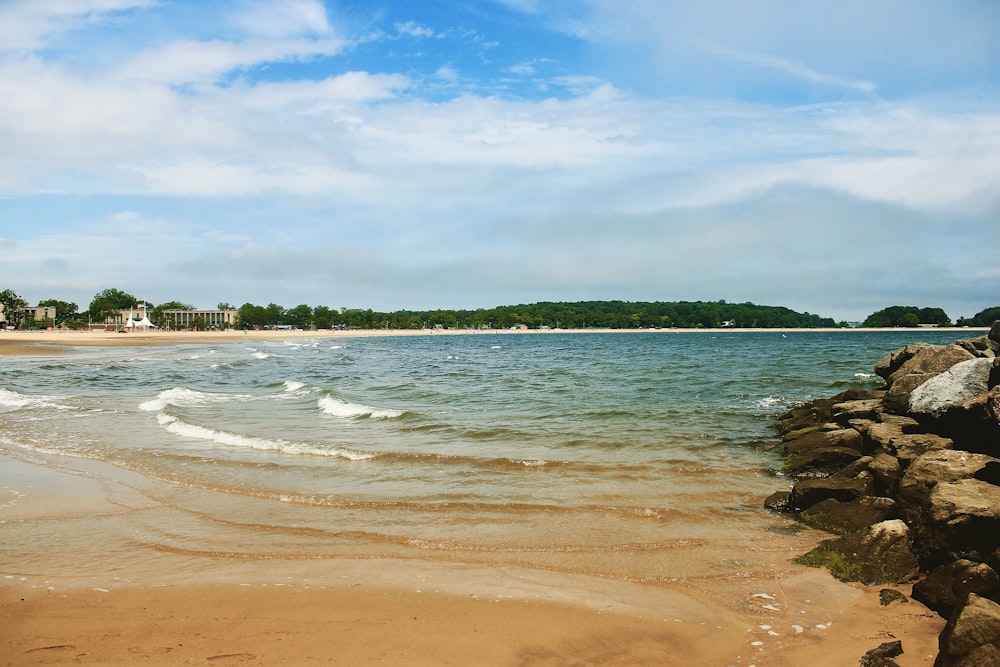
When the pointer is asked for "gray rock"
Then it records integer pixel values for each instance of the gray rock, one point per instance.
(924, 473)
(933, 359)
(820, 462)
(891, 362)
(876, 437)
(844, 518)
(971, 637)
(887, 596)
(908, 447)
(882, 655)
(861, 409)
(877, 555)
(975, 423)
(961, 382)
(808, 492)
(778, 501)
(887, 472)
(897, 399)
(946, 587)
(841, 438)
(962, 520)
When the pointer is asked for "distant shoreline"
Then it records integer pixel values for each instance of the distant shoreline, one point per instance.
(42, 342)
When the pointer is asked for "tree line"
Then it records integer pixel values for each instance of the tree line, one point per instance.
(566, 315)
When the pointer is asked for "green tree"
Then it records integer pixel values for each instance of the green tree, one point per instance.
(300, 316)
(275, 313)
(13, 308)
(106, 304)
(324, 317)
(249, 316)
(984, 318)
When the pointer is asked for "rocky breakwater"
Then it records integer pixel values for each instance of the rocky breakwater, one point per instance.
(908, 478)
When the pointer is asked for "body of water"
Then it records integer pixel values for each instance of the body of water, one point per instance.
(636, 456)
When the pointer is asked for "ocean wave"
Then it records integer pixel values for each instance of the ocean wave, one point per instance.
(345, 410)
(16, 401)
(178, 427)
(184, 397)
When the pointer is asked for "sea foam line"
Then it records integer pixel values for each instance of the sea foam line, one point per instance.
(13, 399)
(182, 397)
(177, 427)
(345, 410)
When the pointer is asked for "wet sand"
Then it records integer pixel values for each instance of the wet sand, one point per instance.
(73, 591)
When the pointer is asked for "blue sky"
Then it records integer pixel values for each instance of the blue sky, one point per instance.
(835, 158)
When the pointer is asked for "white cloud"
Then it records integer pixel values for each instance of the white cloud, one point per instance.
(205, 62)
(31, 24)
(413, 29)
(284, 18)
(796, 69)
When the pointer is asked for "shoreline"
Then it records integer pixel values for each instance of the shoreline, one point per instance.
(41, 342)
(111, 603)
(93, 597)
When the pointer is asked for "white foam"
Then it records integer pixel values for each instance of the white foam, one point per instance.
(293, 386)
(337, 408)
(769, 401)
(13, 399)
(182, 396)
(195, 432)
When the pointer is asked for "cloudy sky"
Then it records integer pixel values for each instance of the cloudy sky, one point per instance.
(833, 157)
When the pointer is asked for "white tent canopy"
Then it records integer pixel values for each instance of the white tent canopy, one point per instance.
(133, 325)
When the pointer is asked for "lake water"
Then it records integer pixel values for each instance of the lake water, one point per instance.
(633, 456)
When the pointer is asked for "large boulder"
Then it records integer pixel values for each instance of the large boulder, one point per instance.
(946, 587)
(868, 408)
(933, 359)
(971, 637)
(897, 398)
(908, 447)
(891, 362)
(877, 555)
(975, 423)
(925, 362)
(962, 520)
(961, 382)
(808, 492)
(846, 438)
(886, 471)
(844, 518)
(924, 473)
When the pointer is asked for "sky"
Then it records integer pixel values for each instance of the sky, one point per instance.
(834, 158)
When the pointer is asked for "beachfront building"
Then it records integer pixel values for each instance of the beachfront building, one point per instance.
(207, 319)
(180, 319)
(32, 317)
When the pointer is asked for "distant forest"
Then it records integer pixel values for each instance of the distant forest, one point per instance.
(593, 314)
(553, 315)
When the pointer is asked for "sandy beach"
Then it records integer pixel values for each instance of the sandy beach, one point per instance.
(83, 596)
